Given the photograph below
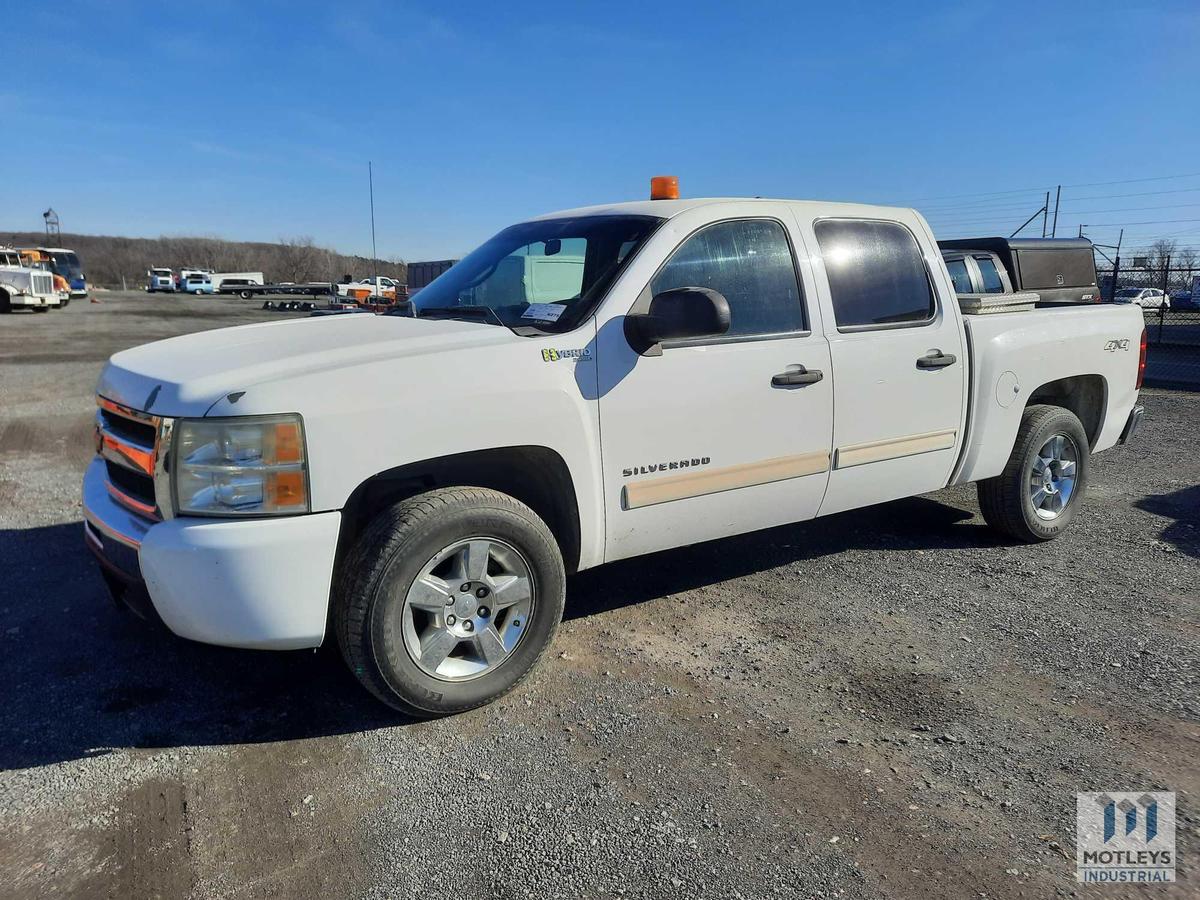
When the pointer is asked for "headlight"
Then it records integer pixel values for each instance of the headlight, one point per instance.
(250, 466)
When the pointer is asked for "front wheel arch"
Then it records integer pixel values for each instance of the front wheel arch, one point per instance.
(534, 475)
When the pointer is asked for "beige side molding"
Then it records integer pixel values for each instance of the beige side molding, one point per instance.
(713, 481)
(893, 448)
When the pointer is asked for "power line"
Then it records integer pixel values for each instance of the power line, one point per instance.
(1080, 184)
(1088, 212)
(1135, 180)
(986, 206)
(1140, 194)
(1130, 224)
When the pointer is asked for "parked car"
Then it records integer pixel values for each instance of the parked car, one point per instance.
(160, 280)
(197, 283)
(228, 282)
(741, 386)
(238, 286)
(1147, 298)
(1058, 270)
(1185, 299)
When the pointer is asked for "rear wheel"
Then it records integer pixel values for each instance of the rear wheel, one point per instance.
(1035, 497)
(448, 600)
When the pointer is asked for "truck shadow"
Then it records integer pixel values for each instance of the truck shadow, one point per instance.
(1184, 507)
(916, 523)
(82, 677)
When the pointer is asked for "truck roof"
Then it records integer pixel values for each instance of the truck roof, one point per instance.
(669, 208)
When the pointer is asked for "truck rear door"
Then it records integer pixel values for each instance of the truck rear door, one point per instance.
(899, 361)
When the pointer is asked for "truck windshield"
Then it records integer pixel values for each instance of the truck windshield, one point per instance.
(65, 263)
(546, 274)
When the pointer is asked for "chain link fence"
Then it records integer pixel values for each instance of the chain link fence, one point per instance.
(1170, 299)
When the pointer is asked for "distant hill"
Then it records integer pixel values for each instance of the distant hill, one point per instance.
(107, 259)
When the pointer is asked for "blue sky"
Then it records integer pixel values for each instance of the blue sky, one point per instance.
(255, 121)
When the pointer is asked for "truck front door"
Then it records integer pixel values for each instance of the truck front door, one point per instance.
(899, 358)
(717, 436)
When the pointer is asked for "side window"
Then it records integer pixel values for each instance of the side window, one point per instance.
(960, 276)
(991, 278)
(748, 261)
(876, 273)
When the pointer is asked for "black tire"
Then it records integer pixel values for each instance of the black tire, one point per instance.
(1005, 500)
(390, 554)
(5, 302)
(246, 295)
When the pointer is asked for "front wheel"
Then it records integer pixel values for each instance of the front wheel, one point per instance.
(1035, 497)
(447, 600)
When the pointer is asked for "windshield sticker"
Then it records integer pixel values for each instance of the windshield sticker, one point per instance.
(551, 355)
(544, 312)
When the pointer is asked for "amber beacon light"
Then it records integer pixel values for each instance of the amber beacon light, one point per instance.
(664, 187)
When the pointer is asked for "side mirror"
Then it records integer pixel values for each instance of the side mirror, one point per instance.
(686, 312)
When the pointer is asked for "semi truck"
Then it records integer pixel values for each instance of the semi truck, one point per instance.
(714, 367)
(23, 286)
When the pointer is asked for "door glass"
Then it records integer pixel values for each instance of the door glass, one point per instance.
(876, 273)
(960, 276)
(749, 262)
(991, 278)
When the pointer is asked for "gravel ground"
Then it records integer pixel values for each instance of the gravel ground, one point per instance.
(884, 703)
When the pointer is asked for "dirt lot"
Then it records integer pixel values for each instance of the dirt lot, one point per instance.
(884, 703)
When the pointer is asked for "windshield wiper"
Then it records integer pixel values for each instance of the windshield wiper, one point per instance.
(471, 312)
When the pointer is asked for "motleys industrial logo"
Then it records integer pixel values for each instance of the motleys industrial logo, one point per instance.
(1125, 837)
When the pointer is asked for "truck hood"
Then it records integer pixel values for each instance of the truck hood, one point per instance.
(185, 376)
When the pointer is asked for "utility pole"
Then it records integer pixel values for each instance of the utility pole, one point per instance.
(374, 252)
(1057, 196)
(1045, 213)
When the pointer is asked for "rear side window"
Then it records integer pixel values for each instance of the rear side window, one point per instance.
(991, 278)
(960, 276)
(748, 261)
(876, 273)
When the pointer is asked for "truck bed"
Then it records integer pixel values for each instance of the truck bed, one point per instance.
(1013, 355)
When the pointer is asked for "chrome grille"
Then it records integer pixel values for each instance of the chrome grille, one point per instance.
(133, 447)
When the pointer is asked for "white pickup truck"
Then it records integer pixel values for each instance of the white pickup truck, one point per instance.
(378, 286)
(420, 487)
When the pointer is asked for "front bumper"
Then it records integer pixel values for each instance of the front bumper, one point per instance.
(1132, 423)
(260, 583)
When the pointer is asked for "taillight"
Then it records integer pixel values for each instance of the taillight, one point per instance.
(1141, 376)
